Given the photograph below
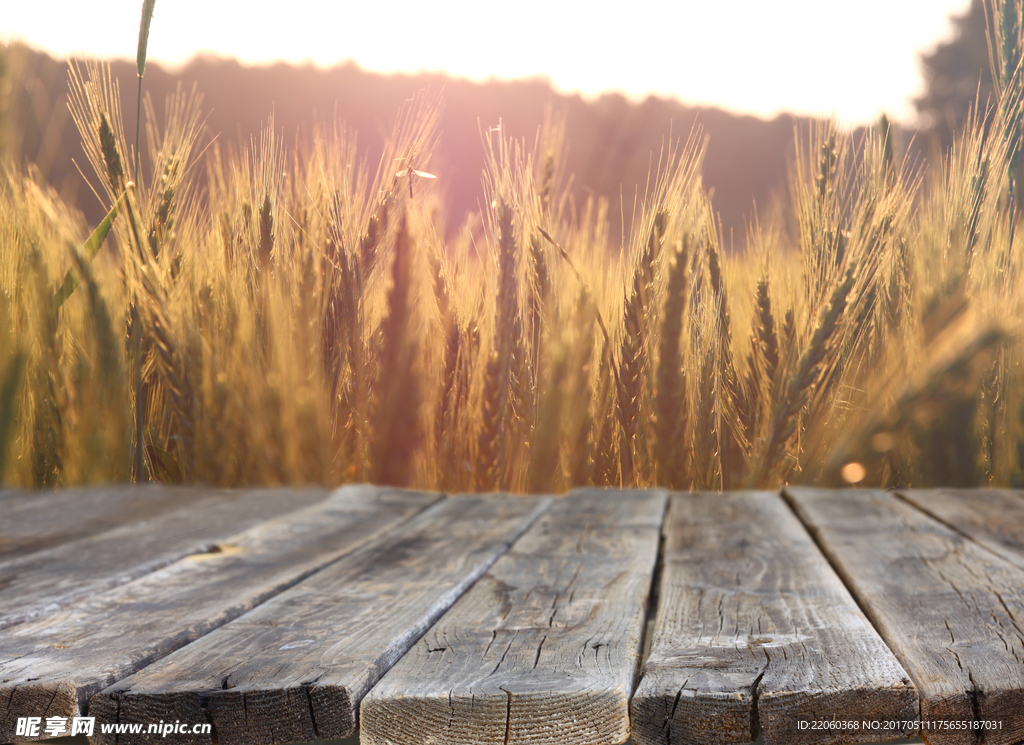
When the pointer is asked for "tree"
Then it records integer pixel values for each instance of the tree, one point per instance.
(957, 74)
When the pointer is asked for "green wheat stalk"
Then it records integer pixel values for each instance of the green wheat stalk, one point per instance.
(147, 17)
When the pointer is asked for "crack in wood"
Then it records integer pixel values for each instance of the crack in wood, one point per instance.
(307, 691)
(539, 648)
(755, 695)
(508, 716)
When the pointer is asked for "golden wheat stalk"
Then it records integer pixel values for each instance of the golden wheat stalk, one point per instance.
(634, 359)
(805, 378)
(670, 400)
(494, 413)
(396, 428)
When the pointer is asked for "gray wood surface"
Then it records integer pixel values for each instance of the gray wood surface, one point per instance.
(952, 611)
(993, 518)
(754, 631)
(44, 581)
(295, 668)
(51, 666)
(35, 520)
(546, 646)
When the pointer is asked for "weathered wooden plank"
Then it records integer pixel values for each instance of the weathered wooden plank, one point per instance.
(45, 581)
(545, 648)
(993, 518)
(295, 668)
(35, 520)
(755, 633)
(51, 666)
(952, 611)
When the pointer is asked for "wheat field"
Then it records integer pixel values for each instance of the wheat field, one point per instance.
(273, 315)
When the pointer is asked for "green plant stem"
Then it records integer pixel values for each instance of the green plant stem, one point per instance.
(138, 121)
(1012, 209)
(138, 456)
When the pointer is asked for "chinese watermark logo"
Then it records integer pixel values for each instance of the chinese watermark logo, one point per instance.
(54, 726)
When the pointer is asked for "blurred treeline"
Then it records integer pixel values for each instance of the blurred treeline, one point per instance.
(613, 141)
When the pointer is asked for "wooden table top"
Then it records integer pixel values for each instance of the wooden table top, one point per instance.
(284, 616)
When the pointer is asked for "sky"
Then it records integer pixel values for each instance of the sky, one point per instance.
(854, 59)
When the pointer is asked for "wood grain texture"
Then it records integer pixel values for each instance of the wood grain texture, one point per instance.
(295, 668)
(45, 581)
(755, 633)
(35, 520)
(992, 518)
(952, 611)
(545, 648)
(51, 666)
